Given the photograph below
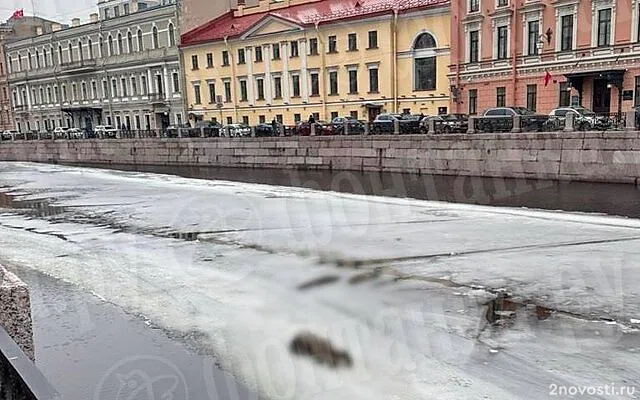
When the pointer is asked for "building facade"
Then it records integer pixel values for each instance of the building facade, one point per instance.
(542, 54)
(14, 29)
(197, 12)
(295, 58)
(120, 69)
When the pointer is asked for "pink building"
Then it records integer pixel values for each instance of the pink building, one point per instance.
(502, 50)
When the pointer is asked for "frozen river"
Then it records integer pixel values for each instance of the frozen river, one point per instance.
(405, 287)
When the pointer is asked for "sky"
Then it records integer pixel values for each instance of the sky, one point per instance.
(60, 10)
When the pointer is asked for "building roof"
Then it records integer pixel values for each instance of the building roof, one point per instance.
(229, 26)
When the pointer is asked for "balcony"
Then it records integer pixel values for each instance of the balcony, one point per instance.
(78, 67)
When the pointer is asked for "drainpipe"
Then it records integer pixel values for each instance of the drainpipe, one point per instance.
(324, 66)
(514, 45)
(394, 52)
(234, 96)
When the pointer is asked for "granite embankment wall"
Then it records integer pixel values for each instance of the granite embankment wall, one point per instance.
(15, 311)
(585, 156)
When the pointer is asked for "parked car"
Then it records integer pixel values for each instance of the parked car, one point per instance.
(322, 129)
(355, 127)
(236, 130)
(211, 128)
(500, 119)
(75, 133)
(173, 130)
(448, 123)
(385, 123)
(106, 131)
(60, 132)
(584, 118)
(9, 135)
(266, 130)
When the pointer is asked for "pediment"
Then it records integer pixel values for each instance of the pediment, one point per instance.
(271, 25)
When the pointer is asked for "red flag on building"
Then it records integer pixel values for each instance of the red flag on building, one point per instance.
(18, 14)
(547, 78)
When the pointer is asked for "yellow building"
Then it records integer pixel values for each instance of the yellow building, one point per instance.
(290, 59)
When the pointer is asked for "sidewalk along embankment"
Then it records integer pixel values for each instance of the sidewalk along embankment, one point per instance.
(578, 156)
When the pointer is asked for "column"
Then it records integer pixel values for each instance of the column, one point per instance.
(267, 73)
(250, 82)
(284, 53)
(304, 76)
(166, 83)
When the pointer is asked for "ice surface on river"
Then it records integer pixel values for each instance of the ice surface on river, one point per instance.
(415, 331)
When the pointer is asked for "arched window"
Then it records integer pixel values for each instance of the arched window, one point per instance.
(110, 45)
(80, 55)
(155, 38)
(129, 42)
(90, 48)
(29, 61)
(37, 59)
(424, 62)
(101, 46)
(60, 61)
(70, 52)
(172, 36)
(120, 50)
(140, 42)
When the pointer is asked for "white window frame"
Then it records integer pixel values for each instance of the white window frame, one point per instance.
(596, 6)
(475, 26)
(497, 23)
(635, 20)
(497, 6)
(531, 16)
(561, 11)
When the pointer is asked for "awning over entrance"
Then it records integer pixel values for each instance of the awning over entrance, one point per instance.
(601, 83)
(609, 74)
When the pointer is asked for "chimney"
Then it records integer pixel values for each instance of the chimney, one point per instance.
(75, 22)
(55, 27)
(93, 18)
(38, 30)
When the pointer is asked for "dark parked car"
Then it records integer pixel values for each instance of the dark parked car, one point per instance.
(500, 119)
(385, 124)
(211, 128)
(449, 123)
(322, 129)
(266, 130)
(355, 127)
(172, 130)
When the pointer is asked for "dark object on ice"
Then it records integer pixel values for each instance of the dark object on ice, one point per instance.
(323, 280)
(321, 350)
(501, 310)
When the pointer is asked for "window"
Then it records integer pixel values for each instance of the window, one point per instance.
(89, 47)
(85, 95)
(105, 89)
(225, 58)
(245, 120)
(502, 3)
(42, 95)
(501, 96)
(129, 42)
(70, 55)
(45, 60)
(243, 91)
(567, 33)
(373, 40)
(276, 51)
(229, 120)
(295, 80)
(126, 9)
(334, 115)
(565, 94)
(474, 48)
(277, 86)
(194, 62)
(297, 118)
(532, 97)
(474, 5)
(333, 83)
(353, 42)
(140, 41)
(373, 80)
(49, 98)
(196, 94)
(116, 11)
(74, 92)
(114, 88)
(258, 51)
(106, 13)
(209, 60)
(143, 85)
(155, 38)
(315, 84)
(294, 49)
(172, 36)
(227, 92)
(353, 81)
(60, 60)
(110, 45)
(313, 47)
(260, 87)
(120, 47)
(425, 73)
(502, 43)
(533, 29)
(137, 123)
(604, 27)
(241, 57)
(333, 44)
(37, 59)
(134, 87)
(212, 93)
(123, 82)
(176, 82)
(473, 101)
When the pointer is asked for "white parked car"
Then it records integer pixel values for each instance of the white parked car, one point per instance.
(8, 135)
(75, 133)
(236, 130)
(60, 132)
(106, 131)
